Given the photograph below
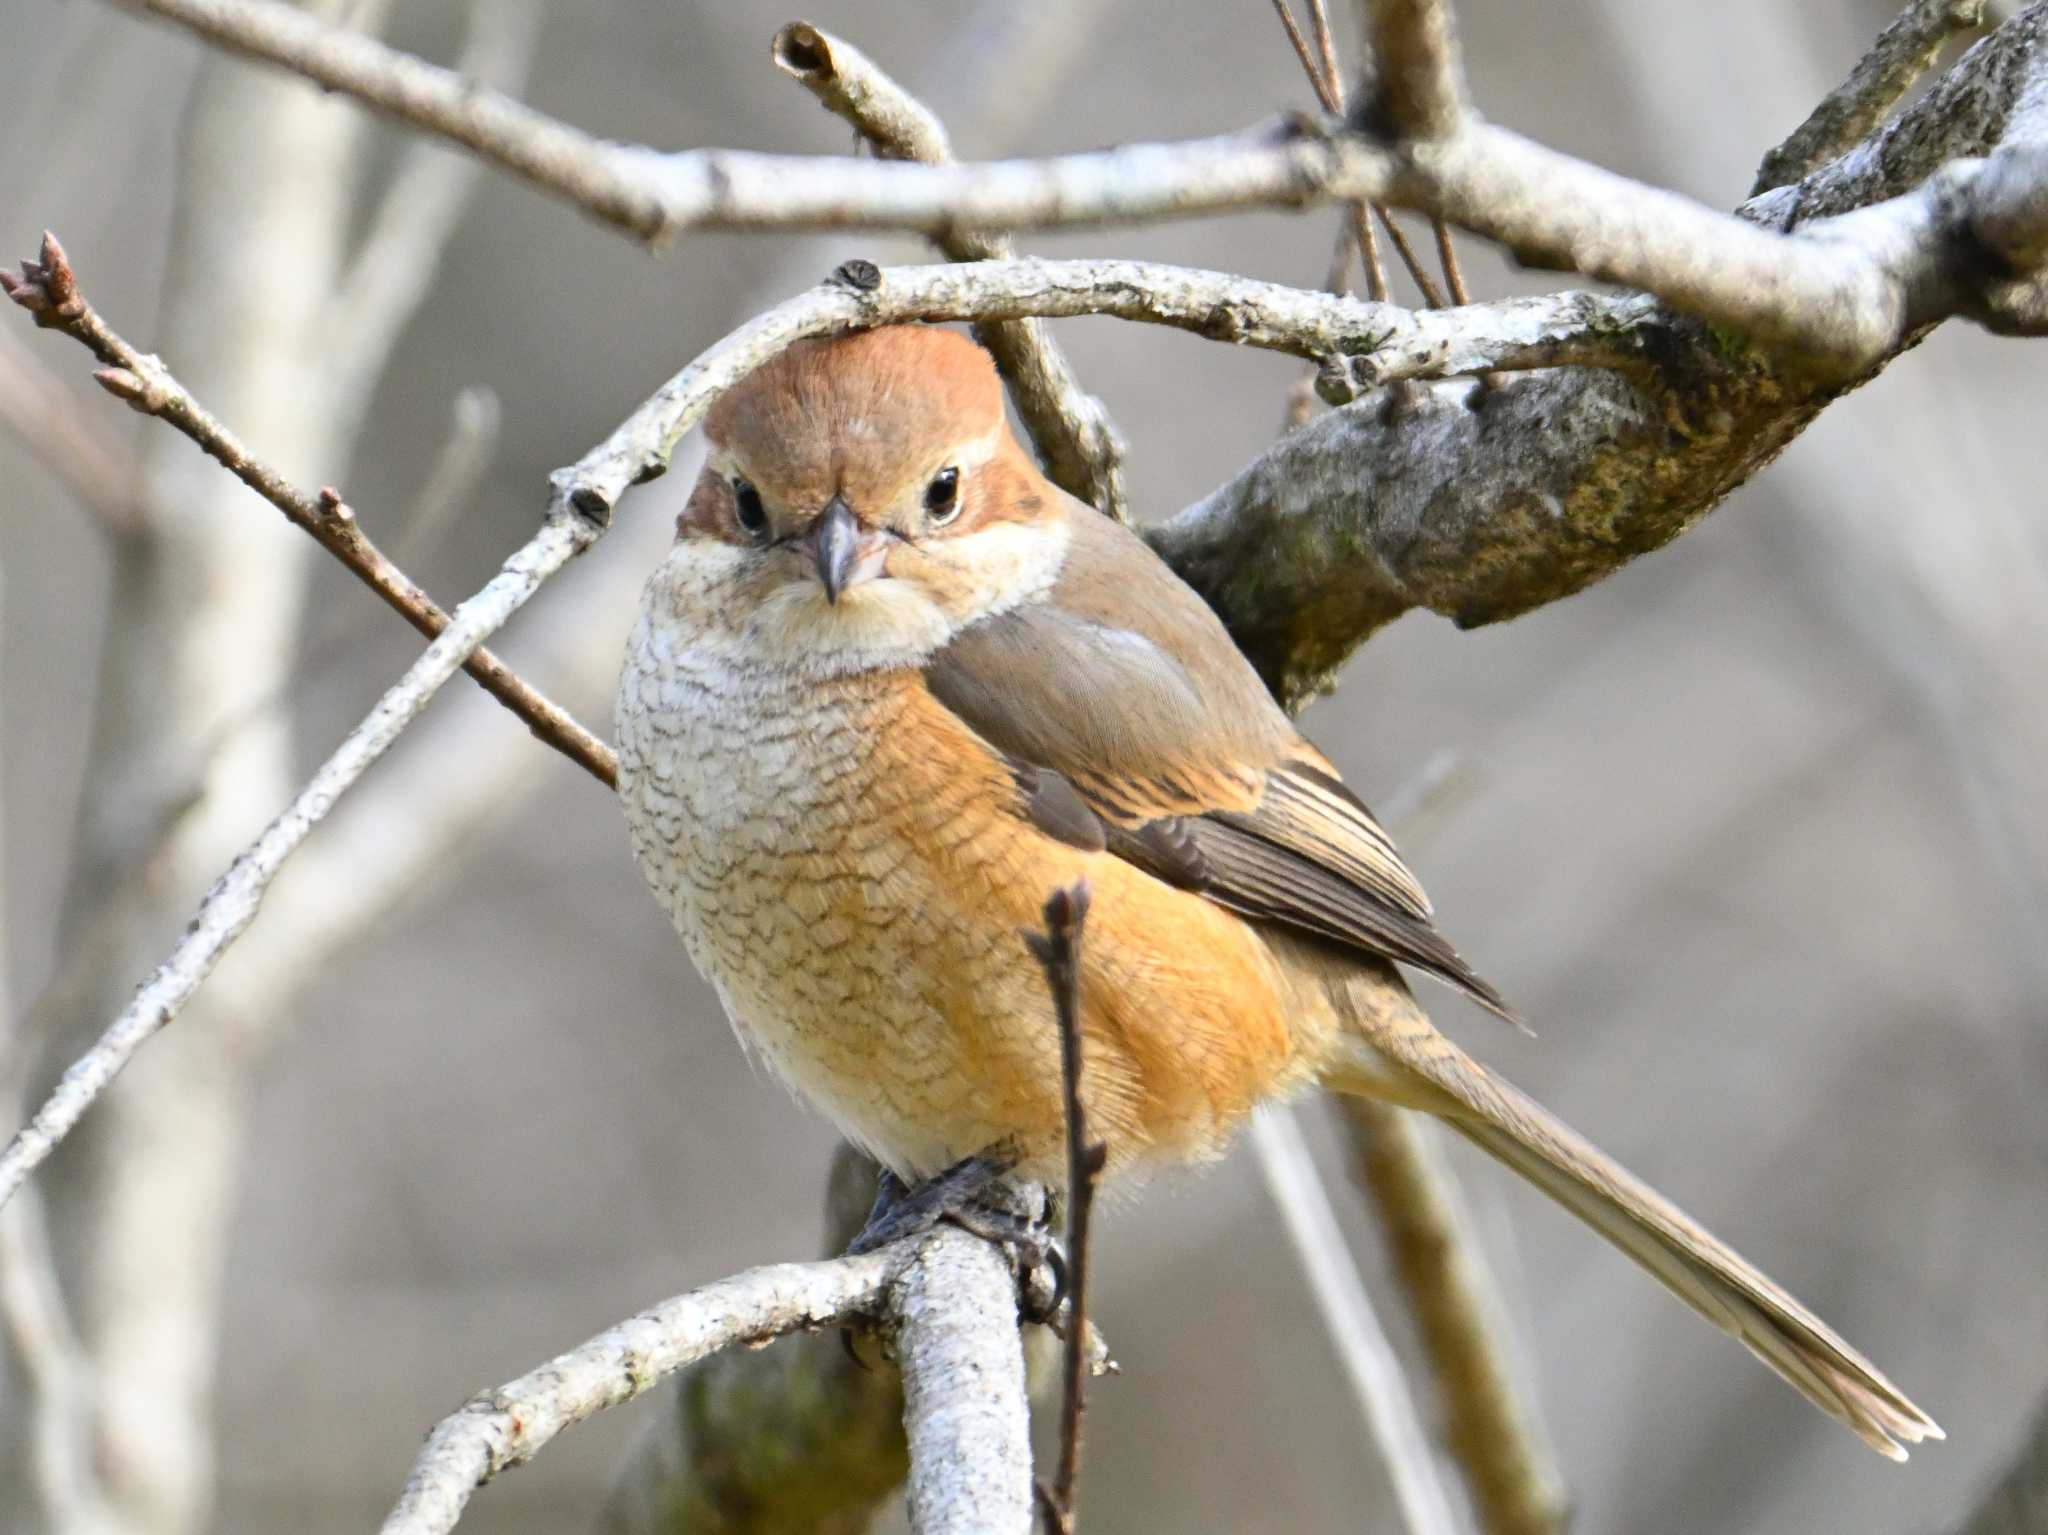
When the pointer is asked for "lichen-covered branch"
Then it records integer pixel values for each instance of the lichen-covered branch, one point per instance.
(1071, 429)
(1482, 505)
(1903, 52)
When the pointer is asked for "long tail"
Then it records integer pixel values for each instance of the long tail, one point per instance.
(1680, 1254)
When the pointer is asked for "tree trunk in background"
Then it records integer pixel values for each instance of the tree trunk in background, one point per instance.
(201, 633)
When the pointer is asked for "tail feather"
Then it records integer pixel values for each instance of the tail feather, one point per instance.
(1682, 1255)
(1718, 1284)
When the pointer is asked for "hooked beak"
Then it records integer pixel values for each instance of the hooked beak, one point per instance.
(840, 547)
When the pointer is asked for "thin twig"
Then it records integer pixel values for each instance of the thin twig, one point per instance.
(1326, 91)
(1432, 295)
(1903, 52)
(1490, 1424)
(1367, 1358)
(233, 902)
(1329, 89)
(1079, 444)
(1326, 45)
(1058, 950)
(48, 290)
(1447, 258)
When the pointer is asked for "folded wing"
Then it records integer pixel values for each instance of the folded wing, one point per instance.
(1124, 698)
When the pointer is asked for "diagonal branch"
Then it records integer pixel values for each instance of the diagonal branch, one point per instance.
(1368, 1359)
(1852, 111)
(1076, 440)
(48, 290)
(1489, 1423)
(231, 905)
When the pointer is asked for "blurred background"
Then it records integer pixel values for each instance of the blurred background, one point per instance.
(1754, 832)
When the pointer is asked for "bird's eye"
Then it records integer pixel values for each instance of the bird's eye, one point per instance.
(747, 507)
(942, 497)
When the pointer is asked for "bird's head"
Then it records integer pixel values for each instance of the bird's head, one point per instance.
(863, 500)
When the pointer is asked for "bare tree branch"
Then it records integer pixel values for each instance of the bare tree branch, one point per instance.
(1077, 442)
(1418, 84)
(1845, 301)
(954, 1309)
(232, 904)
(1490, 1426)
(1482, 506)
(798, 1439)
(1852, 111)
(48, 290)
(1997, 91)
(509, 1426)
(1368, 1360)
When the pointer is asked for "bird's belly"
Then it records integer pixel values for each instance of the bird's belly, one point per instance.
(804, 873)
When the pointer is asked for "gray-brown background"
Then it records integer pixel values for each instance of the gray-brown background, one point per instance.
(1753, 832)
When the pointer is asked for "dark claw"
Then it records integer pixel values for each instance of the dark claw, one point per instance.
(901, 1212)
(972, 1196)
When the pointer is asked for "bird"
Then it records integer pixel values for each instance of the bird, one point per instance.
(891, 687)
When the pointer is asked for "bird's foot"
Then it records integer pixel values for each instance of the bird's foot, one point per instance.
(976, 1195)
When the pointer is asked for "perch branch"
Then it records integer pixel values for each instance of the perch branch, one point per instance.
(1515, 1486)
(1367, 1358)
(507, 1427)
(1058, 950)
(965, 1413)
(1078, 443)
(231, 905)
(1903, 52)
(48, 290)
(1844, 300)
